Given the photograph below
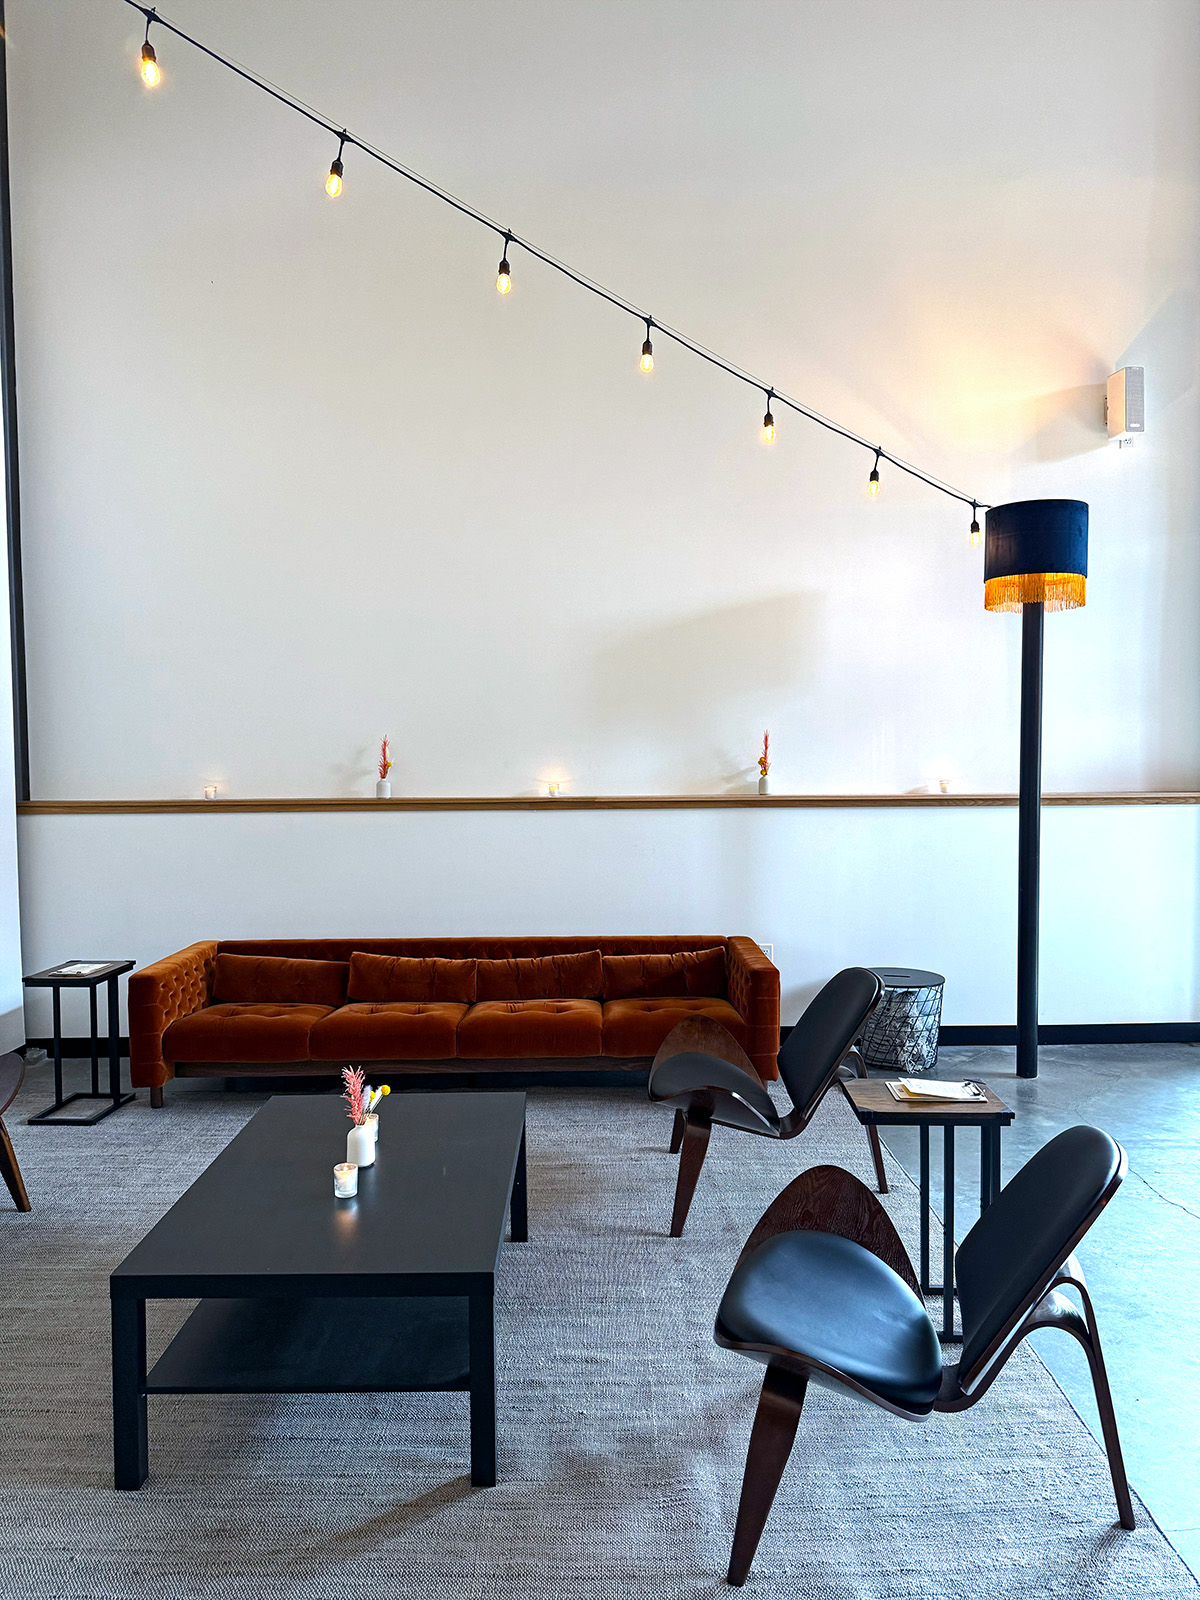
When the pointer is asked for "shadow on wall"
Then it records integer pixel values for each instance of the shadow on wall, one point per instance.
(1067, 423)
(1166, 347)
(685, 678)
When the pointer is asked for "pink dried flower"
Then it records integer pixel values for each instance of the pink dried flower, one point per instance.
(385, 761)
(352, 1077)
(764, 760)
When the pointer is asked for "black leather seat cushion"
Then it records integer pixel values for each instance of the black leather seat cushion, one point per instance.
(819, 1295)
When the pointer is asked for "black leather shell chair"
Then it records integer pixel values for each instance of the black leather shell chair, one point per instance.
(824, 1293)
(703, 1072)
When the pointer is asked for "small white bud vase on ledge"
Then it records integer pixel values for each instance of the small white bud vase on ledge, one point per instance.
(360, 1145)
(764, 784)
(383, 790)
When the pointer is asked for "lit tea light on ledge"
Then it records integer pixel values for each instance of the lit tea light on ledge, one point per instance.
(210, 791)
(345, 1180)
(552, 789)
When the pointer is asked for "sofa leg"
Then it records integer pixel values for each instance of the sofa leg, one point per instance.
(156, 1095)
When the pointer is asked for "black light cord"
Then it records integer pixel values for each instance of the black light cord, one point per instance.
(151, 14)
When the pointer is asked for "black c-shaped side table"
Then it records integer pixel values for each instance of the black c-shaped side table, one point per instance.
(874, 1106)
(56, 979)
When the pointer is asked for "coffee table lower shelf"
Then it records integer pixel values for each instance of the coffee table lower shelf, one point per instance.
(361, 1345)
(324, 1344)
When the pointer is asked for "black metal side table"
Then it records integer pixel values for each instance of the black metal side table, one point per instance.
(57, 979)
(874, 1106)
(903, 1032)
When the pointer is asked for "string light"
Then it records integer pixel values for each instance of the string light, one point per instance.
(333, 186)
(648, 349)
(333, 183)
(768, 427)
(151, 75)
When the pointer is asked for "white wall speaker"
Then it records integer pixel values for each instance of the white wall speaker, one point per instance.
(1125, 402)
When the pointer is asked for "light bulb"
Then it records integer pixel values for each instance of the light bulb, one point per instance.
(333, 183)
(873, 480)
(976, 536)
(647, 356)
(503, 277)
(768, 429)
(151, 76)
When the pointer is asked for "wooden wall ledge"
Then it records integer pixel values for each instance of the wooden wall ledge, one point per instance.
(603, 802)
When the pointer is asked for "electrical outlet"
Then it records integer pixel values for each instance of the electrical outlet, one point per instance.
(767, 949)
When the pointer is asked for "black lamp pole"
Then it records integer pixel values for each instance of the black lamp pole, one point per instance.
(1029, 836)
(1034, 559)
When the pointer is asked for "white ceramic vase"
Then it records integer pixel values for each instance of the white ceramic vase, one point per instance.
(383, 789)
(360, 1146)
(764, 784)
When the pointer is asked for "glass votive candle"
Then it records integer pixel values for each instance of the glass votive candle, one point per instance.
(372, 1122)
(210, 791)
(345, 1180)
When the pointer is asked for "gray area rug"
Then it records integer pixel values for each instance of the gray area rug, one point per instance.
(622, 1427)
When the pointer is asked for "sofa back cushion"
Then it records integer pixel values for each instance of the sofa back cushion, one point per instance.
(568, 977)
(391, 978)
(278, 980)
(698, 972)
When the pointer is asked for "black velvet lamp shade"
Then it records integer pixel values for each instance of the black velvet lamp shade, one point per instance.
(1035, 551)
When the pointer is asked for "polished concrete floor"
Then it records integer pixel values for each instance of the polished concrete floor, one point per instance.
(1142, 1258)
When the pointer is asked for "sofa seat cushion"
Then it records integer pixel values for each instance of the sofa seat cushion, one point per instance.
(376, 1030)
(517, 1028)
(638, 1027)
(243, 1033)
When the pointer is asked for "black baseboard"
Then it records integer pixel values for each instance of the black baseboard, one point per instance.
(1077, 1033)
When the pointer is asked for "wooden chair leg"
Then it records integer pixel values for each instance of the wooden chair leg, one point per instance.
(677, 1131)
(156, 1095)
(1108, 1424)
(877, 1157)
(11, 1171)
(691, 1158)
(771, 1441)
(860, 1067)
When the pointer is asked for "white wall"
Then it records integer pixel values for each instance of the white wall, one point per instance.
(294, 475)
(827, 888)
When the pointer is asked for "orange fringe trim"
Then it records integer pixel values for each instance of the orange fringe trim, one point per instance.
(1057, 591)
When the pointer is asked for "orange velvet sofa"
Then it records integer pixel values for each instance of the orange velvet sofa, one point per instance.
(244, 1008)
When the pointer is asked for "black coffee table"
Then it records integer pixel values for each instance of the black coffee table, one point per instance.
(301, 1293)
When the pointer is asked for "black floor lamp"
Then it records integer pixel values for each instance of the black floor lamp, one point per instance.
(1034, 561)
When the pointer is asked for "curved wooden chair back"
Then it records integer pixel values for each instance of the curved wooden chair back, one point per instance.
(12, 1071)
(832, 1200)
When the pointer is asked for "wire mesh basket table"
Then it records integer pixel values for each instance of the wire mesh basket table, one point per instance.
(903, 1032)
